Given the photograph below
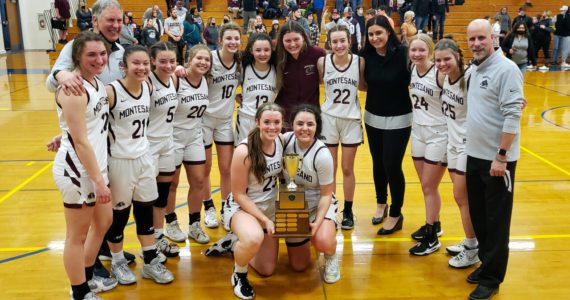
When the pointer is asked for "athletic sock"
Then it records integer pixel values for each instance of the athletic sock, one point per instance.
(208, 204)
(471, 243)
(240, 269)
(171, 217)
(118, 256)
(194, 217)
(348, 205)
(89, 272)
(149, 253)
(79, 291)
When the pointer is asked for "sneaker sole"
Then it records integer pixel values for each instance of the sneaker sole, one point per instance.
(121, 282)
(465, 266)
(452, 253)
(105, 288)
(211, 225)
(427, 252)
(332, 281)
(148, 276)
(176, 240)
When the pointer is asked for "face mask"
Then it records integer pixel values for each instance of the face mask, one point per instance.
(226, 21)
(520, 31)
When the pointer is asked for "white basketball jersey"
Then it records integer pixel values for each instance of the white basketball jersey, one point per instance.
(128, 124)
(192, 103)
(257, 88)
(222, 90)
(316, 167)
(454, 107)
(260, 192)
(67, 162)
(425, 93)
(163, 103)
(341, 89)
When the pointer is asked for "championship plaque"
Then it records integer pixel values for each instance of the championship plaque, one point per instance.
(292, 211)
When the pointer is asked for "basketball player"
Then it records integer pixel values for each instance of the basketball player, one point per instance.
(80, 168)
(131, 170)
(188, 136)
(163, 103)
(429, 136)
(340, 72)
(316, 175)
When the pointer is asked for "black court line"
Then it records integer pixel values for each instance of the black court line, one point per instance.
(13, 258)
(548, 89)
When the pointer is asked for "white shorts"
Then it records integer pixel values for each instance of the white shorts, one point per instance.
(162, 153)
(77, 191)
(189, 147)
(347, 132)
(217, 130)
(456, 159)
(244, 124)
(132, 180)
(429, 143)
(266, 207)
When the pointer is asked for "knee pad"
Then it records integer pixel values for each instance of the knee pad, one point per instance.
(163, 190)
(120, 219)
(143, 218)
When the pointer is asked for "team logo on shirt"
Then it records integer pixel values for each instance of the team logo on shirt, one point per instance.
(309, 70)
(485, 83)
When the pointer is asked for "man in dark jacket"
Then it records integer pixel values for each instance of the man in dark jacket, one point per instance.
(561, 36)
(522, 17)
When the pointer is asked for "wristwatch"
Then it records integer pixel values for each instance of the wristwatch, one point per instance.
(502, 152)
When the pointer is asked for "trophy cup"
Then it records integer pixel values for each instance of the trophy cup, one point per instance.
(292, 211)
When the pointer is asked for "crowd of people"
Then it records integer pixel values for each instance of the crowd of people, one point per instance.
(132, 116)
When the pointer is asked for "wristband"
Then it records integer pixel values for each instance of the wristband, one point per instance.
(503, 161)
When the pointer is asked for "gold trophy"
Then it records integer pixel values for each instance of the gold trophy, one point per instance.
(292, 211)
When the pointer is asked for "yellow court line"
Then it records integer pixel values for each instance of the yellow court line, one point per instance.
(546, 161)
(31, 163)
(25, 182)
(21, 249)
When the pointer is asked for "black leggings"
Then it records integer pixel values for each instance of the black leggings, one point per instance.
(387, 148)
(543, 45)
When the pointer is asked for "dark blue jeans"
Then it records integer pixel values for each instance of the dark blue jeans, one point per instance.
(421, 22)
(438, 26)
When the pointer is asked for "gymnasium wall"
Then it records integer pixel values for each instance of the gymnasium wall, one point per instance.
(32, 37)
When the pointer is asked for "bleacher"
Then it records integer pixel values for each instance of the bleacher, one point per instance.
(455, 23)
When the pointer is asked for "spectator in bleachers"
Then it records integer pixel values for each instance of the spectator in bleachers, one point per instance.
(519, 46)
(541, 32)
(408, 29)
(522, 17)
(157, 23)
(127, 36)
(199, 6)
(84, 16)
(381, 11)
(297, 17)
(150, 35)
(62, 13)
(354, 29)
(197, 15)
(422, 10)
(440, 11)
(181, 11)
(234, 7)
(339, 4)
(403, 7)
(318, 6)
(248, 12)
(258, 25)
(174, 28)
(211, 34)
(274, 32)
(355, 3)
(226, 19)
(505, 20)
(561, 37)
(192, 34)
(371, 13)
(359, 16)
(170, 4)
(314, 32)
(153, 12)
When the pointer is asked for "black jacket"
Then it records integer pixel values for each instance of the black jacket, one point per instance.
(422, 8)
(439, 7)
(540, 35)
(525, 18)
(562, 25)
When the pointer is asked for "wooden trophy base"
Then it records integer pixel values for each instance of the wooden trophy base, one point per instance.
(292, 214)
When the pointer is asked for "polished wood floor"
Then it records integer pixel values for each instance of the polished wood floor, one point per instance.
(373, 267)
